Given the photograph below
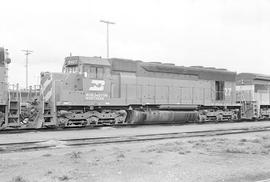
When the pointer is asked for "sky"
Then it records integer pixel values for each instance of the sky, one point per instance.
(231, 34)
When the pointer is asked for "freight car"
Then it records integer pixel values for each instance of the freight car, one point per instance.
(97, 91)
(253, 93)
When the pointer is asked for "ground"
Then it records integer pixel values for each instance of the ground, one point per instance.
(231, 158)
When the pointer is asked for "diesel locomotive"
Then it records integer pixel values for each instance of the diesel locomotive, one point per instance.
(97, 91)
(4, 94)
(253, 93)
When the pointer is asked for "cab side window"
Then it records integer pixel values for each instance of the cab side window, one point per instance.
(72, 69)
(100, 73)
(93, 72)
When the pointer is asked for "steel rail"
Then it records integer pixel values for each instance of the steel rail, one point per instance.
(38, 145)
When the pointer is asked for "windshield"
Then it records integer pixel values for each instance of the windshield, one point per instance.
(71, 69)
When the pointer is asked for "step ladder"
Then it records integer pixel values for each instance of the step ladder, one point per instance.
(14, 106)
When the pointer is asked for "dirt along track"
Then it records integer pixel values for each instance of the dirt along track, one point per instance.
(161, 133)
(231, 152)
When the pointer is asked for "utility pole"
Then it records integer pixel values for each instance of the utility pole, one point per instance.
(27, 52)
(107, 23)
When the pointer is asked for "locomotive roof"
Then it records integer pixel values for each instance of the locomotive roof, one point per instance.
(202, 73)
(87, 60)
(207, 73)
(245, 77)
(127, 65)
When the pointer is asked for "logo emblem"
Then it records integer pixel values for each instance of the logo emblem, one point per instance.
(97, 85)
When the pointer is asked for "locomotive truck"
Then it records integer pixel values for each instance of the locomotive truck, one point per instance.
(98, 91)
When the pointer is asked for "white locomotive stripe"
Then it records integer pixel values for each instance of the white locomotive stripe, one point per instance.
(45, 84)
(47, 89)
(48, 95)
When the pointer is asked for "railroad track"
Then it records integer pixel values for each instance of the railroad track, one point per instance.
(26, 130)
(47, 144)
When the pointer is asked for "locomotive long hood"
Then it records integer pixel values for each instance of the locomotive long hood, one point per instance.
(201, 72)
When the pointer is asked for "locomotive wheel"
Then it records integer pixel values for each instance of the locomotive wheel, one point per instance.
(122, 117)
(235, 117)
(120, 120)
(202, 118)
(219, 117)
(92, 121)
(62, 122)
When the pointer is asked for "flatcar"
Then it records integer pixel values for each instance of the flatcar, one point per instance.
(253, 93)
(98, 91)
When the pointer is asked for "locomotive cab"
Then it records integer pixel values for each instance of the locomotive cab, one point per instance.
(87, 80)
(81, 94)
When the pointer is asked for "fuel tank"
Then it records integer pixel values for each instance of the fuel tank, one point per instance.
(163, 117)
